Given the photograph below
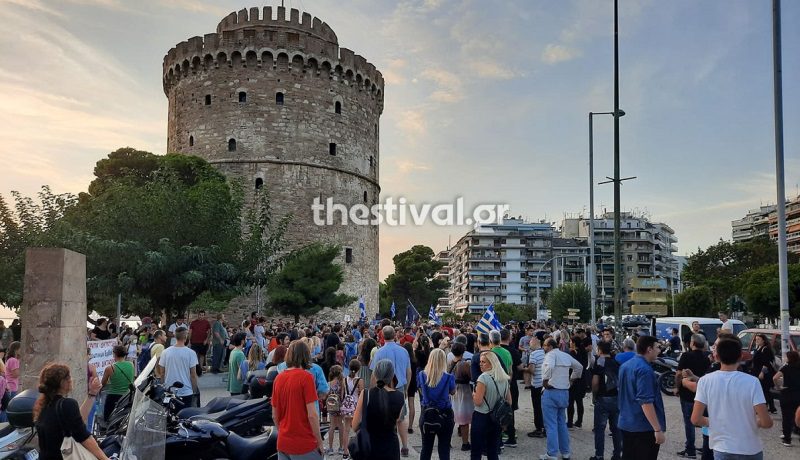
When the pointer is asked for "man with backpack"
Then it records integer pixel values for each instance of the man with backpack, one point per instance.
(605, 378)
(151, 349)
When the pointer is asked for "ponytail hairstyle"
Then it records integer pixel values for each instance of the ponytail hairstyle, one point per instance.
(383, 373)
(354, 366)
(50, 380)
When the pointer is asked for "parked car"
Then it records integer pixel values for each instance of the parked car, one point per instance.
(748, 338)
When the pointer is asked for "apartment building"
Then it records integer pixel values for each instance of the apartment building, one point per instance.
(755, 223)
(648, 251)
(506, 262)
(443, 303)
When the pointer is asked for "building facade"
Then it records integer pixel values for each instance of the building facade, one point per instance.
(756, 223)
(443, 303)
(275, 104)
(648, 252)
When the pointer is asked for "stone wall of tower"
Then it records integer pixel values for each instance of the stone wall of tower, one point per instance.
(284, 93)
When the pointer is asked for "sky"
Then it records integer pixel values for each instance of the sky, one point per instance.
(486, 100)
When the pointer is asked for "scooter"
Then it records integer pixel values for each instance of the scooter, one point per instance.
(16, 437)
(666, 368)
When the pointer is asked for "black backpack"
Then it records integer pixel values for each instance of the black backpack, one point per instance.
(611, 375)
(501, 413)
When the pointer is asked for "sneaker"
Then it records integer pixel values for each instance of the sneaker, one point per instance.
(686, 454)
(547, 457)
(340, 451)
(345, 456)
(404, 452)
(786, 442)
(466, 447)
(578, 424)
(329, 451)
(595, 458)
(410, 431)
(536, 434)
(773, 411)
(511, 443)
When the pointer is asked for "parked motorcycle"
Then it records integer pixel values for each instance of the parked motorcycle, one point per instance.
(666, 368)
(16, 437)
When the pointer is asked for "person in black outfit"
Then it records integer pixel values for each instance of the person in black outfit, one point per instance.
(101, 332)
(57, 416)
(484, 345)
(790, 393)
(332, 339)
(675, 342)
(761, 367)
(383, 406)
(577, 389)
(697, 363)
(516, 374)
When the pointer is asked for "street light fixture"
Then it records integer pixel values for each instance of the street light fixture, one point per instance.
(592, 278)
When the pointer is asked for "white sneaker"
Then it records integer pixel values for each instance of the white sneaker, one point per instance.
(547, 457)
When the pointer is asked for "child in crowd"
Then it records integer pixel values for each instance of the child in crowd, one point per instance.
(334, 405)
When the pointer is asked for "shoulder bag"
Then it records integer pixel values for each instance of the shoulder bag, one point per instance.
(70, 448)
(501, 413)
(360, 445)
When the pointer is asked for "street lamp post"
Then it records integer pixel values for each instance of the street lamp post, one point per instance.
(592, 280)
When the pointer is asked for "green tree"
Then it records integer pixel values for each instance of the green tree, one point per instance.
(413, 279)
(30, 223)
(511, 312)
(570, 295)
(720, 266)
(695, 301)
(761, 290)
(308, 282)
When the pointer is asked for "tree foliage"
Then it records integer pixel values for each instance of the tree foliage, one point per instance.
(760, 289)
(570, 295)
(511, 312)
(29, 223)
(720, 266)
(695, 301)
(162, 231)
(307, 282)
(413, 279)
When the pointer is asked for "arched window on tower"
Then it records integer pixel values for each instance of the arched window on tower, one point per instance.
(242, 97)
(337, 107)
(279, 98)
(191, 141)
(231, 145)
(259, 183)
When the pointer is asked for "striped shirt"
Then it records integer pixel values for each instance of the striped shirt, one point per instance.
(536, 359)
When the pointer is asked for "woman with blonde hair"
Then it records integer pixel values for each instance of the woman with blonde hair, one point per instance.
(436, 419)
(255, 362)
(491, 386)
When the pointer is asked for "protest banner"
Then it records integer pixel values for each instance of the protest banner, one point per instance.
(102, 354)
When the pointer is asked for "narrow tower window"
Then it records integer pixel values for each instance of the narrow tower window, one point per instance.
(242, 97)
(191, 141)
(231, 145)
(259, 183)
(332, 148)
(371, 161)
(337, 107)
(279, 98)
(348, 255)
(208, 99)
(365, 196)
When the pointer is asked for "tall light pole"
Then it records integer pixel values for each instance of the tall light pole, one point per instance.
(592, 278)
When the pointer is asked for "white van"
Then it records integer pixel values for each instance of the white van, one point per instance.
(709, 326)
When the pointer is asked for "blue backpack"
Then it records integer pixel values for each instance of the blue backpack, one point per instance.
(144, 356)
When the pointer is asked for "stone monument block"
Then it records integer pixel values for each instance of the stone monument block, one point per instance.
(53, 315)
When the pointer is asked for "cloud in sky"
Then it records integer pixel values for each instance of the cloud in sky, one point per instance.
(484, 99)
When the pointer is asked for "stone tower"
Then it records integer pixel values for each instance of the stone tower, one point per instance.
(275, 103)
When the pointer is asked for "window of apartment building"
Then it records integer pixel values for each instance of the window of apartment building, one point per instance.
(348, 255)
(502, 264)
(630, 269)
(503, 275)
(630, 257)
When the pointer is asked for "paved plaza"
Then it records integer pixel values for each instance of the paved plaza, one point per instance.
(582, 439)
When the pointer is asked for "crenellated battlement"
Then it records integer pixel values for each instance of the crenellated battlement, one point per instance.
(253, 18)
(248, 39)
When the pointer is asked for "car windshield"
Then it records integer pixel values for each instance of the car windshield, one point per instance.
(710, 331)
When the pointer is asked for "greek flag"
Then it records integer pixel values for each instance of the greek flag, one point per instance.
(363, 308)
(394, 310)
(489, 321)
(432, 315)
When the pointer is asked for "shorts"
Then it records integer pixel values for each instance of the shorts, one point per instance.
(404, 412)
(200, 348)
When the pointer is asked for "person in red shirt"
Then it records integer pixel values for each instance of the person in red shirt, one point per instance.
(200, 336)
(294, 409)
(407, 337)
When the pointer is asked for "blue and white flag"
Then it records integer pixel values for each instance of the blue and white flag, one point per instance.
(393, 310)
(411, 313)
(433, 316)
(362, 307)
(489, 321)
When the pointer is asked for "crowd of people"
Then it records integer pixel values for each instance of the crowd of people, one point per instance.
(469, 385)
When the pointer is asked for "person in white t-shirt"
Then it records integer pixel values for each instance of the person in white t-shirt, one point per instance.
(736, 406)
(726, 323)
(180, 321)
(178, 364)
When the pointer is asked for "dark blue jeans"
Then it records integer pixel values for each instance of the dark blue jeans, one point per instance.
(484, 436)
(688, 426)
(606, 410)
